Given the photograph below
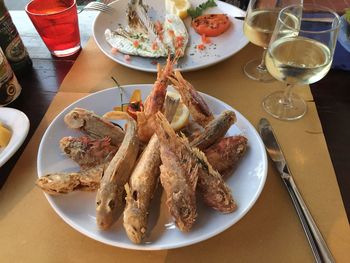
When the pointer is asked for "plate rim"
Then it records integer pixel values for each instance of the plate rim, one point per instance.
(21, 133)
(142, 246)
(154, 70)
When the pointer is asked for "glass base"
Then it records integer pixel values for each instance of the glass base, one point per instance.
(275, 106)
(252, 71)
(66, 52)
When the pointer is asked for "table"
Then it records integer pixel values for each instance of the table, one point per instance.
(42, 83)
(331, 95)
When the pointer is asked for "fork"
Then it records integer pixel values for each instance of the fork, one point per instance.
(98, 6)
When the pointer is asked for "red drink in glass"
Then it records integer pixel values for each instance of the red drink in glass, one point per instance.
(57, 23)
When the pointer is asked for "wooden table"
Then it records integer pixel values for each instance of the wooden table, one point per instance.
(40, 85)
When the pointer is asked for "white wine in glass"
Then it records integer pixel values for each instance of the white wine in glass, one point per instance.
(299, 54)
(258, 27)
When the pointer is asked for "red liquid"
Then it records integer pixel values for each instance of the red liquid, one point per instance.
(56, 23)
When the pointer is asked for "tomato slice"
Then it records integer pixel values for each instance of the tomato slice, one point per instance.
(211, 25)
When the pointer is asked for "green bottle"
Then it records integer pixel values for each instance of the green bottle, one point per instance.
(12, 44)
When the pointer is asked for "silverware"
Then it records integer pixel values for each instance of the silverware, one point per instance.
(97, 6)
(317, 243)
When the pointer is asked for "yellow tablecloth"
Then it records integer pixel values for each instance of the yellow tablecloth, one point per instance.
(32, 232)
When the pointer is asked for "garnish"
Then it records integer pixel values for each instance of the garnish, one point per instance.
(347, 15)
(195, 12)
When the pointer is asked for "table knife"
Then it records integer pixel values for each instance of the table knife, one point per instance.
(317, 243)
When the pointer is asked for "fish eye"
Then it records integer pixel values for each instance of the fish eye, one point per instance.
(111, 204)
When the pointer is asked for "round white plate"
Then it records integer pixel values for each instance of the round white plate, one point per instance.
(343, 37)
(18, 123)
(222, 47)
(78, 209)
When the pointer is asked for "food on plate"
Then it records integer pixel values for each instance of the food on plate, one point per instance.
(143, 182)
(211, 25)
(141, 37)
(197, 11)
(189, 168)
(64, 183)
(110, 193)
(5, 136)
(177, 7)
(215, 130)
(199, 109)
(135, 104)
(178, 174)
(182, 114)
(93, 125)
(88, 152)
(154, 102)
(225, 154)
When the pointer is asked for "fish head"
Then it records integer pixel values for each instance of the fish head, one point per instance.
(75, 118)
(135, 223)
(106, 205)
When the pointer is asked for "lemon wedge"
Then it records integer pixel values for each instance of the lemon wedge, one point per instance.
(5, 136)
(182, 113)
(177, 7)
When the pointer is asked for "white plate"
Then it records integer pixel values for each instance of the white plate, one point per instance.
(224, 46)
(18, 123)
(78, 209)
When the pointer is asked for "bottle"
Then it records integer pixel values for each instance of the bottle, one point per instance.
(9, 86)
(12, 44)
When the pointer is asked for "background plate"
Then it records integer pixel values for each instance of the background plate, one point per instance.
(78, 209)
(223, 46)
(18, 123)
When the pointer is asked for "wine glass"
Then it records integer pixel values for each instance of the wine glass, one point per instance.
(299, 53)
(258, 27)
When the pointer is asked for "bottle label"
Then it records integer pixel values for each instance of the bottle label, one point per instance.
(9, 86)
(10, 41)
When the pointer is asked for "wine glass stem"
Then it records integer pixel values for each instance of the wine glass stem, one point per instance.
(262, 66)
(287, 96)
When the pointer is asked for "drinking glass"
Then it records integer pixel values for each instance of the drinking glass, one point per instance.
(258, 27)
(299, 53)
(57, 23)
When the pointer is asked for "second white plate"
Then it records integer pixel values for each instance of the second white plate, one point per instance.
(222, 47)
(18, 123)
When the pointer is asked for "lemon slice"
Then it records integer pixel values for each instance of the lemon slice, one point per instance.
(177, 7)
(182, 113)
(5, 136)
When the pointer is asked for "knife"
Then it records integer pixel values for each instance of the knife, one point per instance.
(317, 243)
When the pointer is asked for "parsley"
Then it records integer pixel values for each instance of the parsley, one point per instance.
(347, 15)
(195, 12)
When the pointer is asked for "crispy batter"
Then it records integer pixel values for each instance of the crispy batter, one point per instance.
(93, 125)
(88, 152)
(214, 130)
(225, 154)
(154, 102)
(109, 195)
(199, 109)
(179, 174)
(63, 183)
(143, 182)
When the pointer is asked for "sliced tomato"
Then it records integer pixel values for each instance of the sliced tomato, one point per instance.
(211, 25)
